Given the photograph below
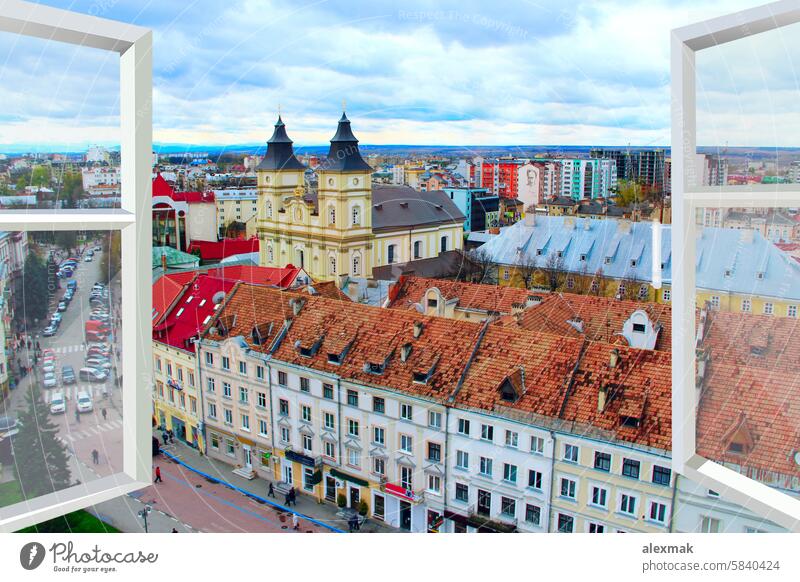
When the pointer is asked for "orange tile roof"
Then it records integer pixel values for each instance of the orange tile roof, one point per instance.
(766, 403)
(761, 341)
(639, 387)
(602, 317)
(410, 290)
(546, 362)
(375, 338)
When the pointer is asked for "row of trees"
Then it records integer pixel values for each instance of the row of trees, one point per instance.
(552, 274)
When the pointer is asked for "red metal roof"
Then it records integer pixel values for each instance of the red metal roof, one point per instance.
(217, 250)
(162, 188)
(283, 277)
(189, 313)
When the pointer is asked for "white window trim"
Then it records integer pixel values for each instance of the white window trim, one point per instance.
(132, 219)
(686, 198)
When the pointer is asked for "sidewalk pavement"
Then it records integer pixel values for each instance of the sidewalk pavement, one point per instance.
(306, 505)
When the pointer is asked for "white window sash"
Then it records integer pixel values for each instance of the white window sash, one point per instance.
(686, 198)
(132, 219)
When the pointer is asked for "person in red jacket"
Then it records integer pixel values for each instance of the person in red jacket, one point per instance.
(158, 475)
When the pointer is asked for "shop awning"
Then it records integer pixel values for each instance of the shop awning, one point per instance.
(345, 477)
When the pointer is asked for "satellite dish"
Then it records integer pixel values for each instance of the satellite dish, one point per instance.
(218, 297)
(797, 458)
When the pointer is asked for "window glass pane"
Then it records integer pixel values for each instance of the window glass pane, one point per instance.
(60, 398)
(60, 125)
(748, 115)
(748, 349)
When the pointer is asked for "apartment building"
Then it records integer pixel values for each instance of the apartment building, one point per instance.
(436, 424)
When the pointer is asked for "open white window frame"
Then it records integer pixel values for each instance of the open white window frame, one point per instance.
(686, 197)
(133, 44)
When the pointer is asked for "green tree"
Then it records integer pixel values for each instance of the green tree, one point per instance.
(35, 291)
(71, 189)
(40, 176)
(66, 239)
(629, 192)
(41, 459)
(111, 257)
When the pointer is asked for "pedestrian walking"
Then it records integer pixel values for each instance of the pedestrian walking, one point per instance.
(288, 501)
(165, 436)
(104, 413)
(295, 522)
(171, 436)
(95, 456)
(271, 491)
(77, 416)
(293, 496)
(158, 476)
(352, 523)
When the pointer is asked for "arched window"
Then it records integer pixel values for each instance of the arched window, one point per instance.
(269, 209)
(333, 265)
(270, 254)
(331, 215)
(356, 264)
(444, 244)
(418, 249)
(356, 215)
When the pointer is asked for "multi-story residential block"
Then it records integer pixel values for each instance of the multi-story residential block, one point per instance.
(474, 204)
(645, 167)
(236, 206)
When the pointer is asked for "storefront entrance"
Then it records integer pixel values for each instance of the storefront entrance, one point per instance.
(405, 516)
(355, 497)
(330, 488)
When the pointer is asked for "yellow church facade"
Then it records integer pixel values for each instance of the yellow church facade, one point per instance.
(344, 226)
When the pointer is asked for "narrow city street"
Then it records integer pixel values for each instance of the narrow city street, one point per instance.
(101, 428)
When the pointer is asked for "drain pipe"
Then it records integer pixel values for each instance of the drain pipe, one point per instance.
(552, 482)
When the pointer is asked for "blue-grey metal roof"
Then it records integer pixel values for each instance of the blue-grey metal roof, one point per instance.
(729, 260)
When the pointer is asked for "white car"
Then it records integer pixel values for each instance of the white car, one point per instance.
(84, 402)
(58, 404)
(49, 366)
(50, 379)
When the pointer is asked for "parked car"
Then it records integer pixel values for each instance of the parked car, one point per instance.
(87, 259)
(84, 401)
(62, 305)
(58, 405)
(56, 317)
(72, 285)
(98, 363)
(92, 375)
(98, 248)
(49, 366)
(68, 375)
(50, 330)
(50, 379)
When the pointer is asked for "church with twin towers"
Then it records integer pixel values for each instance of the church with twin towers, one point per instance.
(341, 225)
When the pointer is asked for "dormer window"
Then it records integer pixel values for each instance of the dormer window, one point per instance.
(308, 351)
(607, 260)
(420, 377)
(507, 393)
(261, 333)
(539, 252)
(633, 262)
(736, 448)
(334, 359)
(583, 258)
(728, 273)
(639, 327)
(760, 275)
(629, 421)
(433, 303)
(374, 368)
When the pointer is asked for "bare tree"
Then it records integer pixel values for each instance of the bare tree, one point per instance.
(479, 267)
(526, 269)
(628, 288)
(555, 272)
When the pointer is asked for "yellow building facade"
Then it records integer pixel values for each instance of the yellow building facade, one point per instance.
(176, 400)
(330, 230)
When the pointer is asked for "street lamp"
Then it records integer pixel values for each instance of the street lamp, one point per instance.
(143, 514)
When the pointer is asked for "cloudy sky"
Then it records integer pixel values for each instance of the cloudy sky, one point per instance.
(572, 72)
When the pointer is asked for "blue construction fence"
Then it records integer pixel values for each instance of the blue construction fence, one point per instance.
(250, 494)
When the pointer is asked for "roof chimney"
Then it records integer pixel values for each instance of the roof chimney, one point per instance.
(613, 359)
(602, 398)
(417, 329)
(296, 303)
(530, 219)
(405, 352)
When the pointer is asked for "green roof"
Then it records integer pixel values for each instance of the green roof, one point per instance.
(175, 258)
